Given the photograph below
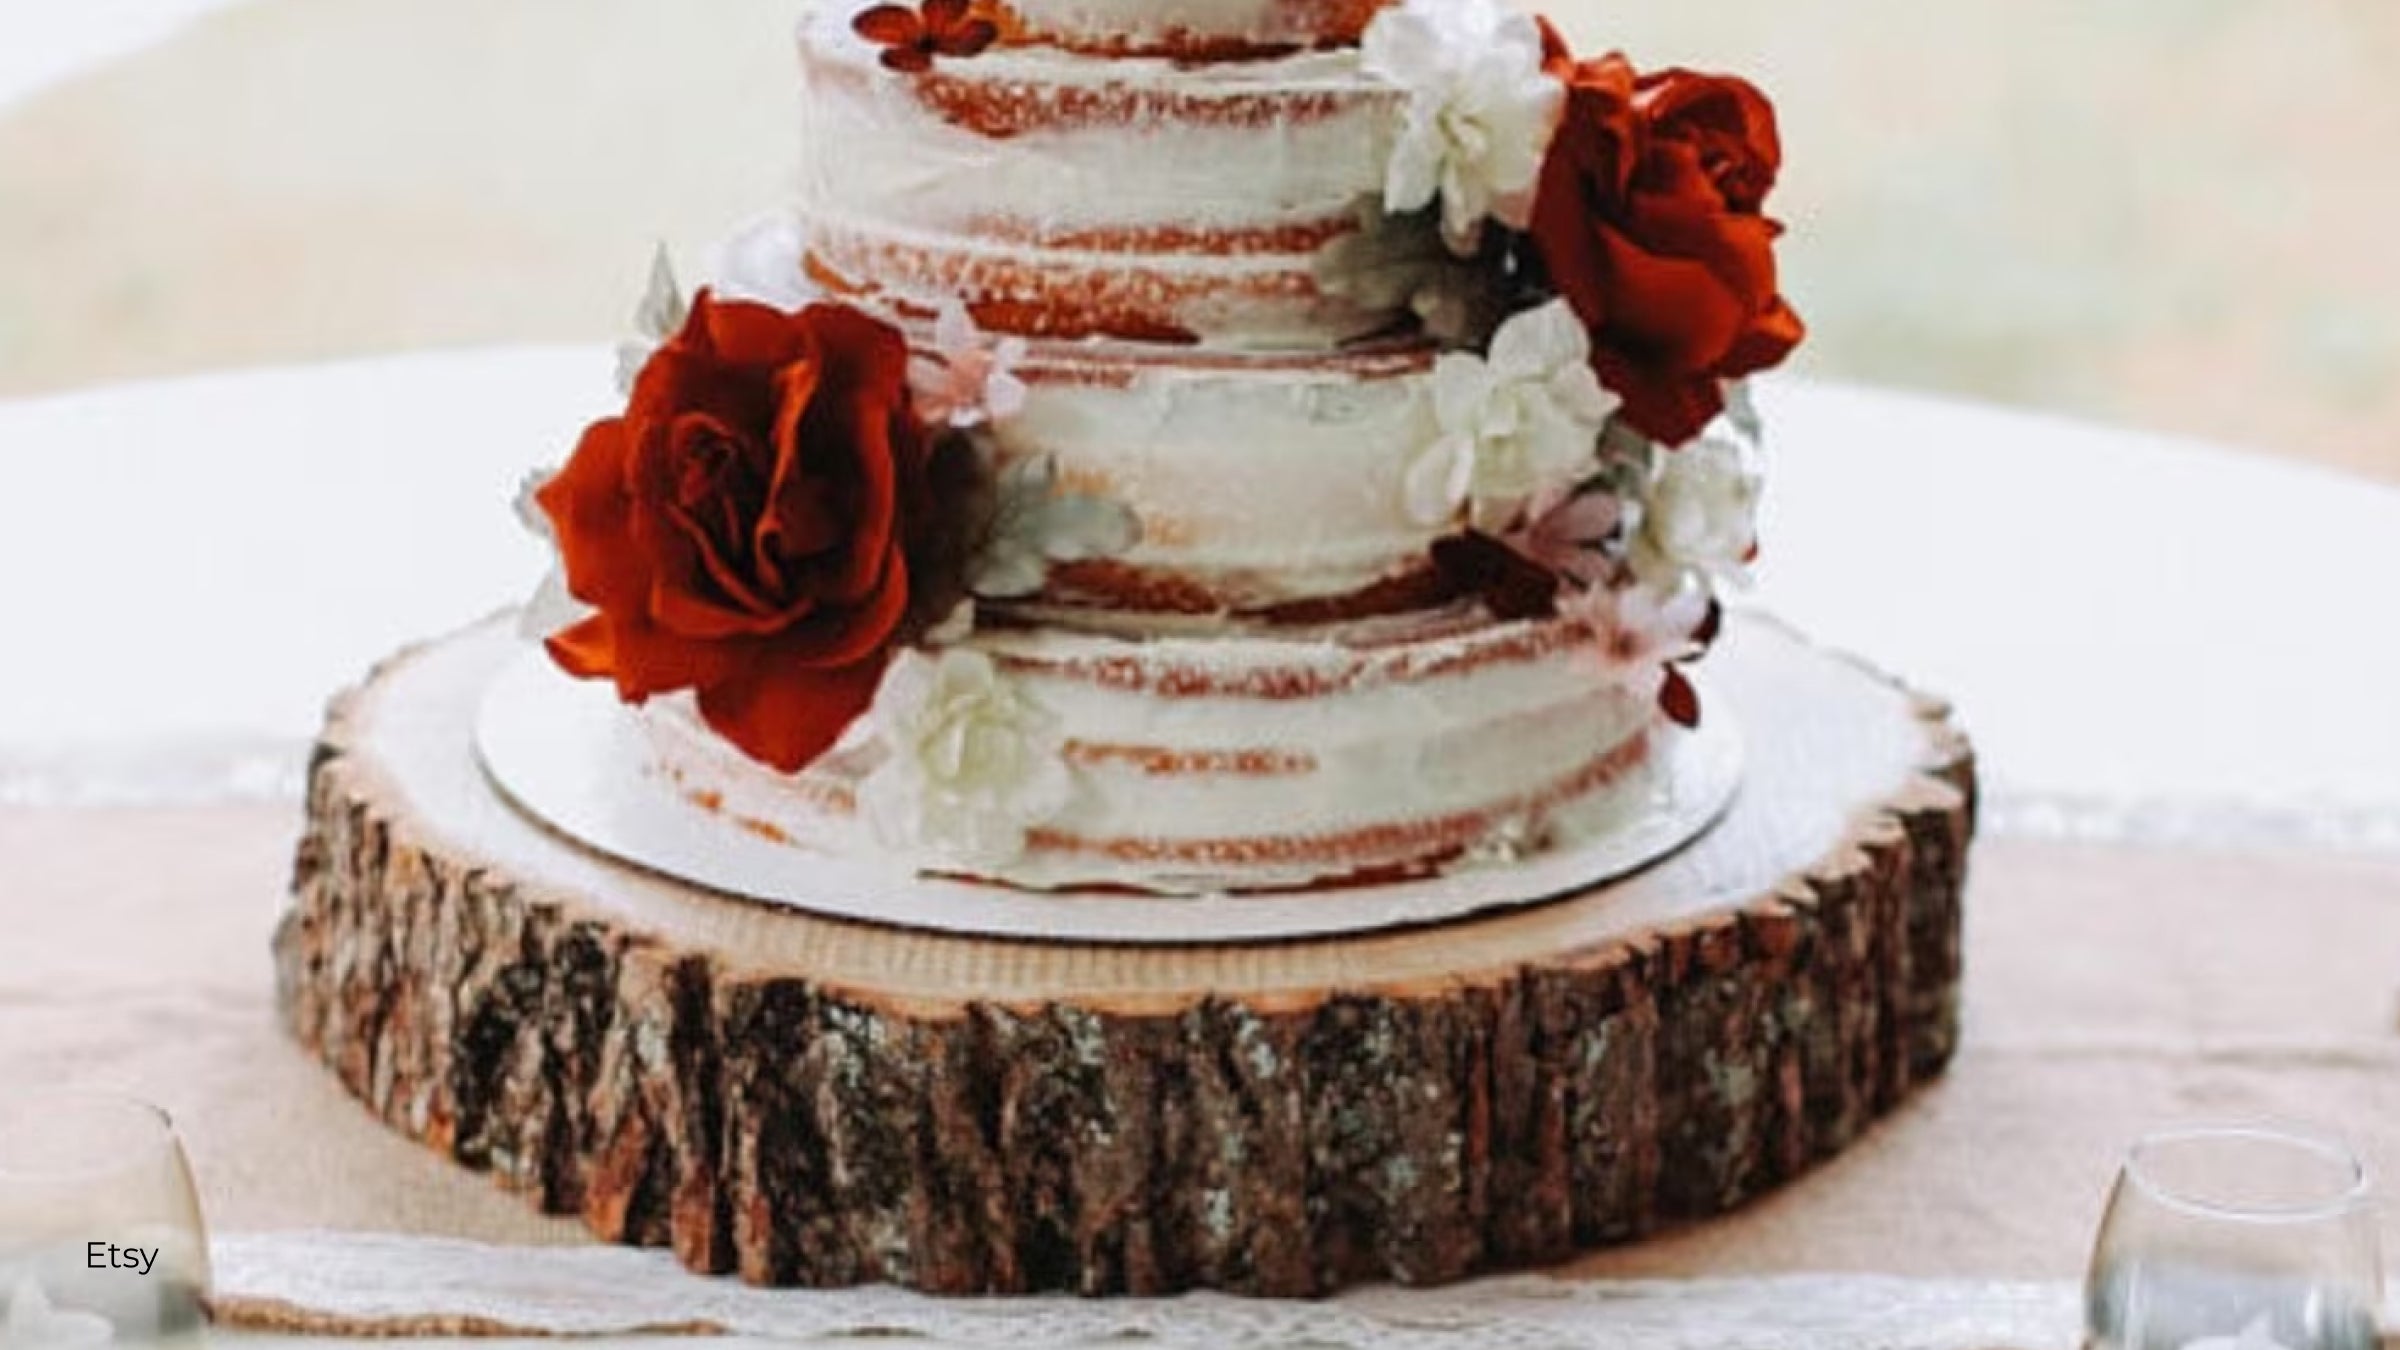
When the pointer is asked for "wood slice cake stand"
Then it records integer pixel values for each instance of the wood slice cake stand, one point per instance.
(812, 1101)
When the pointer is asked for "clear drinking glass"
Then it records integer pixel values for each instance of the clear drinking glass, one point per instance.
(2236, 1238)
(100, 1235)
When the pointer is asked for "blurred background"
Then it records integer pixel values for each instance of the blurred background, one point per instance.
(2178, 214)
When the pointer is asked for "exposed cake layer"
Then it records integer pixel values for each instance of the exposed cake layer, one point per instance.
(1067, 195)
(1261, 483)
(1191, 30)
(1261, 763)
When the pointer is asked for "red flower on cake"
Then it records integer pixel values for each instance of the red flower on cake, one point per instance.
(1648, 220)
(911, 38)
(743, 530)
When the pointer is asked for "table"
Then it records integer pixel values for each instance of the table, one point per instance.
(2152, 640)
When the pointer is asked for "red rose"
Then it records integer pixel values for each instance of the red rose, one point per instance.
(742, 529)
(1647, 219)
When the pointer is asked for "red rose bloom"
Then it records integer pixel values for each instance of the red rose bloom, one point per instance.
(742, 528)
(1647, 219)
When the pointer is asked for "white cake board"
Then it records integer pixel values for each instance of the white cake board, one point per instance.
(567, 753)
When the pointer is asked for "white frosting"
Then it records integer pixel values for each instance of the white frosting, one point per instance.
(1262, 483)
(875, 149)
(1145, 25)
(1189, 777)
(1259, 479)
(1236, 171)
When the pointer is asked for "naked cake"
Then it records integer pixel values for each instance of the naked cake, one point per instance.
(1218, 446)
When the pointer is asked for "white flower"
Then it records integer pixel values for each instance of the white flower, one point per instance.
(1638, 630)
(1035, 524)
(760, 263)
(661, 312)
(1524, 421)
(967, 379)
(33, 1324)
(1699, 513)
(1479, 114)
(970, 764)
(551, 607)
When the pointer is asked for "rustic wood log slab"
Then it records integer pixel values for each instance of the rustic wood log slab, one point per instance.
(811, 1101)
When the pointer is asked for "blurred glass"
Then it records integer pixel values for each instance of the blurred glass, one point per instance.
(100, 1233)
(2236, 1238)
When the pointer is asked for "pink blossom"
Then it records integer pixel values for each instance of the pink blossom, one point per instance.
(1563, 530)
(967, 379)
(1638, 632)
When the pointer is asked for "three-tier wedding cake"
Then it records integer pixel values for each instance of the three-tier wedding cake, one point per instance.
(1191, 446)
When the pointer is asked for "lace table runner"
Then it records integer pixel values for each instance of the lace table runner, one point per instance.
(384, 1285)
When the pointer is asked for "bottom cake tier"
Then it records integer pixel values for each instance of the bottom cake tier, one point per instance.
(816, 1101)
(1241, 764)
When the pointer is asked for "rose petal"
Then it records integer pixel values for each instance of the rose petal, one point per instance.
(1677, 312)
(867, 361)
(1678, 699)
(888, 25)
(837, 636)
(758, 338)
(1668, 408)
(786, 717)
(968, 39)
(589, 503)
(641, 659)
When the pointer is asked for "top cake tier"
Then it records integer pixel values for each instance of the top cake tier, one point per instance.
(1065, 194)
(1188, 30)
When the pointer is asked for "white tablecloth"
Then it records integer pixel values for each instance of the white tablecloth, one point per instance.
(2123, 618)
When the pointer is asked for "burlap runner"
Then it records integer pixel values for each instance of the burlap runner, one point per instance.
(2111, 989)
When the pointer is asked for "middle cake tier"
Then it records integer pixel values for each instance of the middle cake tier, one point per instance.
(1068, 195)
(1265, 486)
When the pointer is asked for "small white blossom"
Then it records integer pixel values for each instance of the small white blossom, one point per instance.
(1637, 631)
(659, 315)
(1699, 512)
(551, 607)
(1521, 422)
(760, 263)
(1479, 113)
(970, 764)
(34, 1324)
(1035, 524)
(967, 379)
